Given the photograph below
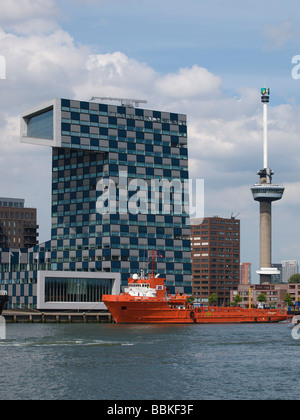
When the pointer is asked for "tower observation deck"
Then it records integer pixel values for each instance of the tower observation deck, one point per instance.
(265, 193)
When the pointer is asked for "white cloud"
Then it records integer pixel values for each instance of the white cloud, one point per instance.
(27, 16)
(189, 82)
(278, 34)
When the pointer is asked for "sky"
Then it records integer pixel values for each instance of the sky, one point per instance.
(204, 58)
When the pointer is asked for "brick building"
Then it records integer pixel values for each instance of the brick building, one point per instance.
(18, 224)
(215, 246)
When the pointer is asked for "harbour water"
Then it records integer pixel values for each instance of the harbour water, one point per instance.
(149, 362)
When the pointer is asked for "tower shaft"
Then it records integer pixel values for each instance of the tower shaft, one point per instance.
(265, 192)
(265, 233)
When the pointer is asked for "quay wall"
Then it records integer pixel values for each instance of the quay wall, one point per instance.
(56, 317)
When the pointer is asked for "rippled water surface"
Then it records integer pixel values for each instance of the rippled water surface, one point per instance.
(148, 362)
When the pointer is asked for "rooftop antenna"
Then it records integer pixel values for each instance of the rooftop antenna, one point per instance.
(124, 101)
(234, 217)
(265, 92)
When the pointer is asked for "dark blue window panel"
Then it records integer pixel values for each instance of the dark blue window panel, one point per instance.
(131, 170)
(178, 278)
(174, 117)
(113, 168)
(121, 110)
(112, 121)
(75, 116)
(149, 148)
(65, 127)
(175, 162)
(139, 112)
(113, 144)
(130, 123)
(103, 131)
(94, 142)
(131, 146)
(182, 129)
(184, 174)
(75, 140)
(133, 241)
(156, 114)
(166, 127)
(149, 171)
(116, 265)
(140, 158)
(122, 157)
(157, 137)
(85, 129)
(84, 105)
(174, 141)
(186, 243)
(103, 108)
(140, 135)
(122, 134)
(65, 102)
(134, 266)
(149, 125)
(94, 118)
(114, 217)
(124, 229)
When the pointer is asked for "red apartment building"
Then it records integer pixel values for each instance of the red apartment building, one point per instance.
(18, 224)
(215, 246)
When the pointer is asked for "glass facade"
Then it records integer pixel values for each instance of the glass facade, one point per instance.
(98, 142)
(76, 289)
(41, 125)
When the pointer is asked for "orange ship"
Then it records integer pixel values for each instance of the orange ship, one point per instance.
(145, 301)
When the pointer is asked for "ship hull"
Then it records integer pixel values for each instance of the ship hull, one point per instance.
(3, 302)
(147, 311)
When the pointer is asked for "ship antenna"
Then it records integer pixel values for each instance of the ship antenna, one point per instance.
(152, 263)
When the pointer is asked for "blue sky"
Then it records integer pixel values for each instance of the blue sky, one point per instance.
(207, 59)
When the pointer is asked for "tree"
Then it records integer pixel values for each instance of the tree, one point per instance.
(213, 298)
(262, 298)
(295, 278)
(288, 300)
(190, 300)
(237, 299)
